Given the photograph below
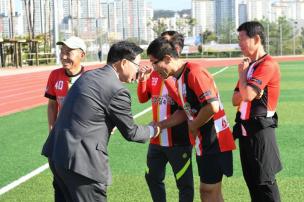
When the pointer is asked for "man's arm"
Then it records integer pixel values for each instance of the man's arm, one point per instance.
(247, 92)
(203, 116)
(178, 117)
(236, 98)
(143, 93)
(121, 116)
(52, 111)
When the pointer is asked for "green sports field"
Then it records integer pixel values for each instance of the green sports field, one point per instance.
(22, 135)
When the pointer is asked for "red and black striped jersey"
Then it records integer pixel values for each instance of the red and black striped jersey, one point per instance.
(58, 85)
(264, 76)
(155, 89)
(196, 89)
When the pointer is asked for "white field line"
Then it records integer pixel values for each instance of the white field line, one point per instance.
(23, 179)
(220, 71)
(46, 166)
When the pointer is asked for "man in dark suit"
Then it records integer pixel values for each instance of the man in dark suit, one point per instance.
(96, 103)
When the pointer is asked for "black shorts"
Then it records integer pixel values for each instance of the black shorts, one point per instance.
(260, 157)
(212, 167)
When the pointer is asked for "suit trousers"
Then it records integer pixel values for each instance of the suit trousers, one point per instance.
(58, 195)
(76, 187)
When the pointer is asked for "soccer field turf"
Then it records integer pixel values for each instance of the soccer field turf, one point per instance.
(22, 135)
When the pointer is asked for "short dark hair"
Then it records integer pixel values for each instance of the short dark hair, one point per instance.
(176, 38)
(123, 50)
(160, 47)
(253, 28)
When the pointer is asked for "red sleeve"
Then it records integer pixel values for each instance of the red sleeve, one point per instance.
(262, 75)
(50, 91)
(143, 92)
(201, 82)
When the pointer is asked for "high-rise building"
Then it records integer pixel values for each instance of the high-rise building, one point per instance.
(108, 14)
(204, 13)
(5, 7)
(8, 17)
(243, 13)
(40, 15)
(225, 14)
(300, 10)
(88, 8)
(149, 17)
(132, 19)
(292, 9)
(281, 8)
(6, 29)
(123, 19)
(258, 9)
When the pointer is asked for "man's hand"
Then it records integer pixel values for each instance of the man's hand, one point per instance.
(156, 129)
(144, 73)
(243, 66)
(193, 130)
(259, 96)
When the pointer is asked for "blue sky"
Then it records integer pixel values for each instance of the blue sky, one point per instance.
(171, 4)
(157, 4)
(161, 4)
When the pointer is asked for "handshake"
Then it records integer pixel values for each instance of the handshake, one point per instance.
(156, 129)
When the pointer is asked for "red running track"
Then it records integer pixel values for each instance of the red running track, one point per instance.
(25, 91)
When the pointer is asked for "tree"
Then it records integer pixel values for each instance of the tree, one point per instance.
(302, 38)
(226, 32)
(191, 22)
(11, 20)
(282, 37)
(208, 36)
(29, 7)
(159, 27)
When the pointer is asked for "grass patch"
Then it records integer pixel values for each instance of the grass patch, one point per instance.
(22, 135)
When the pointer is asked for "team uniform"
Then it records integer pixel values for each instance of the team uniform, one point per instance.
(58, 85)
(255, 126)
(57, 88)
(215, 142)
(173, 145)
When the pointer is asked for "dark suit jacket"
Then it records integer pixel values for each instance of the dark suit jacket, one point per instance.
(95, 104)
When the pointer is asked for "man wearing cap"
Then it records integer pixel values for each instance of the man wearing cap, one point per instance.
(60, 80)
(77, 144)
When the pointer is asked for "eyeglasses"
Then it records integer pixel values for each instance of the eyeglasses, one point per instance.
(155, 63)
(137, 65)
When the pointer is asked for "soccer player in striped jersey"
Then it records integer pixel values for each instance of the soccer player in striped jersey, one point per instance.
(200, 100)
(257, 95)
(173, 145)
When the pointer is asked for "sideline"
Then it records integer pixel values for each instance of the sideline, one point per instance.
(42, 168)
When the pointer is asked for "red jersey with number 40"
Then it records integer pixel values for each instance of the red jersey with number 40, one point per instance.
(58, 85)
(196, 89)
(156, 90)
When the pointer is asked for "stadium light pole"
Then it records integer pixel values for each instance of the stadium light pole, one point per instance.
(268, 50)
(294, 36)
(11, 22)
(56, 31)
(294, 41)
(281, 45)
